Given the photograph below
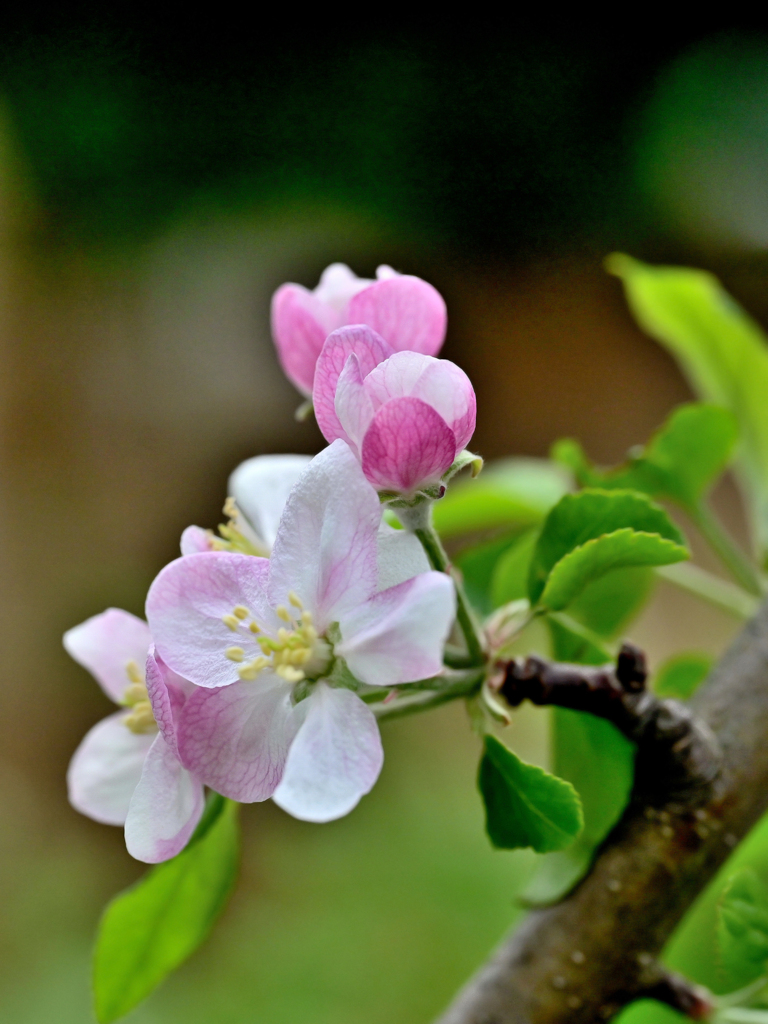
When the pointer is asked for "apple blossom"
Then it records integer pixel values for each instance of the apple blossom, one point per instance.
(258, 490)
(404, 414)
(127, 768)
(407, 311)
(277, 647)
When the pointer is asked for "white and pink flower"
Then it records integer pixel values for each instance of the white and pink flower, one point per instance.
(277, 647)
(405, 415)
(127, 770)
(405, 310)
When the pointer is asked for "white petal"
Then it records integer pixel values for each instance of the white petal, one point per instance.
(106, 769)
(165, 807)
(335, 758)
(105, 644)
(398, 636)
(401, 557)
(325, 549)
(261, 486)
(194, 540)
(338, 284)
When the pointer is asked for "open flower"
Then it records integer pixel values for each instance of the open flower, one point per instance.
(405, 415)
(258, 490)
(127, 769)
(405, 310)
(277, 647)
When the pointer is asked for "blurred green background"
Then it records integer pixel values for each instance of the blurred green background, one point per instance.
(157, 181)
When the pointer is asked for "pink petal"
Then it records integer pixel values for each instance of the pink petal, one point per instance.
(165, 807)
(401, 557)
(398, 636)
(438, 382)
(325, 549)
(407, 446)
(168, 693)
(369, 348)
(334, 760)
(300, 325)
(236, 738)
(186, 605)
(261, 486)
(194, 540)
(105, 644)
(409, 313)
(106, 769)
(353, 405)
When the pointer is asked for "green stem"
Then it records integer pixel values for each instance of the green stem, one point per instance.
(729, 553)
(459, 684)
(438, 559)
(711, 588)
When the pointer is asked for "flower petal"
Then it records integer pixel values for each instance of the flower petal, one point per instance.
(168, 693)
(106, 768)
(335, 758)
(165, 807)
(409, 313)
(236, 738)
(260, 487)
(186, 606)
(438, 382)
(398, 635)
(407, 446)
(194, 540)
(401, 557)
(353, 404)
(369, 348)
(325, 549)
(337, 286)
(105, 644)
(300, 324)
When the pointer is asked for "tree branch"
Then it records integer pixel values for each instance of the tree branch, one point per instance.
(584, 959)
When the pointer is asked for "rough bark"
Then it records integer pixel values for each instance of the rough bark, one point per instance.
(584, 959)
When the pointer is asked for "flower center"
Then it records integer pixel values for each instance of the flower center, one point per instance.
(141, 718)
(297, 653)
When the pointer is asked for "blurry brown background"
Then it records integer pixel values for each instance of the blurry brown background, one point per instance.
(137, 370)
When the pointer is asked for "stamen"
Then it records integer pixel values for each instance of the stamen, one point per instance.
(134, 694)
(141, 718)
(235, 653)
(231, 621)
(254, 627)
(240, 611)
(282, 613)
(252, 669)
(294, 599)
(230, 508)
(133, 672)
(289, 673)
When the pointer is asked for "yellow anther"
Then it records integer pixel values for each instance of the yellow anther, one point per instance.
(306, 618)
(240, 612)
(254, 627)
(289, 673)
(252, 669)
(294, 599)
(282, 613)
(283, 635)
(230, 508)
(141, 718)
(235, 653)
(133, 672)
(134, 694)
(267, 644)
(310, 634)
(231, 621)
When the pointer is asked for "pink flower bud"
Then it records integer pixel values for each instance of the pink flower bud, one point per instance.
(405, 310)
(404, 414)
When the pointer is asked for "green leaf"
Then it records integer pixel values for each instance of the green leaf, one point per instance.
(525, 805)
(720, 349)
(592, 755)
(608, 604)
(595, 558)
(682, 459)
(511, 493)
(151, 928)
(681, 675)
(742, 926)
(592, 515)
